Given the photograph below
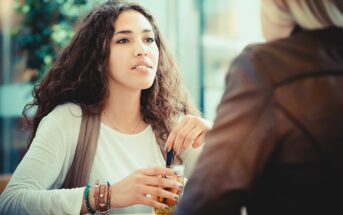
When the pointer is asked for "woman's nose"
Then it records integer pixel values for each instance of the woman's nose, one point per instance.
(140, 49)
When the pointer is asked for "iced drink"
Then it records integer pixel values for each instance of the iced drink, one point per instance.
(170, 202)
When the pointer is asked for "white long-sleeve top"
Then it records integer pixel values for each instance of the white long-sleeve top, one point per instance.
(34, 187)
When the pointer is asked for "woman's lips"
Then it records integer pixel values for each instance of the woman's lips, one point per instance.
(142, 68)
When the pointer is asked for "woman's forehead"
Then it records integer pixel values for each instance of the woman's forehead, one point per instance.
(132, 20)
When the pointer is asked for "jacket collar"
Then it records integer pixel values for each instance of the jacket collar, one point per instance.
(333, 33)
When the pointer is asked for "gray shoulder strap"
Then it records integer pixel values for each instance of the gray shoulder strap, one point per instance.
(80, 168)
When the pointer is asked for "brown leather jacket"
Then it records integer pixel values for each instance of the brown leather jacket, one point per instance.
(277, 142)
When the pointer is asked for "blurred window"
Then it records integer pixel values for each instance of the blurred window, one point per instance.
(229, 25)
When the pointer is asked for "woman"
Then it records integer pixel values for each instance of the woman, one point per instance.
(278, 134)
(116, 66)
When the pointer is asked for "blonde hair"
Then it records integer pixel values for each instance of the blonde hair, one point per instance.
(308, 14)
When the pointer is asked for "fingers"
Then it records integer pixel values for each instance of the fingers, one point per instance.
(153, 177)
(156, 191)
(189, 131)
(157, 171)
(155, 186)
(199, 140)
(191, 138)
(134, 188)
(183, 137)
(152, 202)
(162, 182)
(174, 133)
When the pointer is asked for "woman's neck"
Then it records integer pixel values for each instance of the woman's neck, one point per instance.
(122, 111)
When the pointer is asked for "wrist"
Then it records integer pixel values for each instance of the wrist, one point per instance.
(114, 201)
(97, 198)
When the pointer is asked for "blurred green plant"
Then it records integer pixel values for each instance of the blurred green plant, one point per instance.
(47, 26)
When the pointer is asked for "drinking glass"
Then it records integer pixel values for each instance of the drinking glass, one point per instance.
(170, 202)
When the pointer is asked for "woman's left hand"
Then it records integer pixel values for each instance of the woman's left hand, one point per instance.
(190, 130)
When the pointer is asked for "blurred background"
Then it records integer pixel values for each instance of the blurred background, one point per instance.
(204, 35)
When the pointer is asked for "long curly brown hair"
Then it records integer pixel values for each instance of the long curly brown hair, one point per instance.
(80, 75)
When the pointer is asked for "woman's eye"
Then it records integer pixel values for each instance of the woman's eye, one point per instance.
(122, 41)
(150, 40)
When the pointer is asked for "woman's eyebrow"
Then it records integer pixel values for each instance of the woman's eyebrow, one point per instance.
(130, 32)
(123, 32)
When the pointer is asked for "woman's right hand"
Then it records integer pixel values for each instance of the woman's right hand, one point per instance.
(137, 187)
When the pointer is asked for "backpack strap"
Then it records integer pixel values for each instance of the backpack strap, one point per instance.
(78, 174)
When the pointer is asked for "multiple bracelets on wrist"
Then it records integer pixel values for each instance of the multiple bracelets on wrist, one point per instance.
(102, 197)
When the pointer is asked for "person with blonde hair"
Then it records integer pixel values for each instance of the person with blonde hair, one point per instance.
(276, 146)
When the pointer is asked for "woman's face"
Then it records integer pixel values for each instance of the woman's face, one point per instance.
(134, 53)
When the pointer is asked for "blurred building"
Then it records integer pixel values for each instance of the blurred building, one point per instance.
(205, 35)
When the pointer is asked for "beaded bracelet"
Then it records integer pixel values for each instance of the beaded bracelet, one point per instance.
(103, 196)
(88, 205)
(96, 194)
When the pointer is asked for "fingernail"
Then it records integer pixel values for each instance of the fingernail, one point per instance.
(181, 187)
(166, 206)
(176, 197)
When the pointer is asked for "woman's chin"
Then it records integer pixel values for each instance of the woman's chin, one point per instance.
(144, 85)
